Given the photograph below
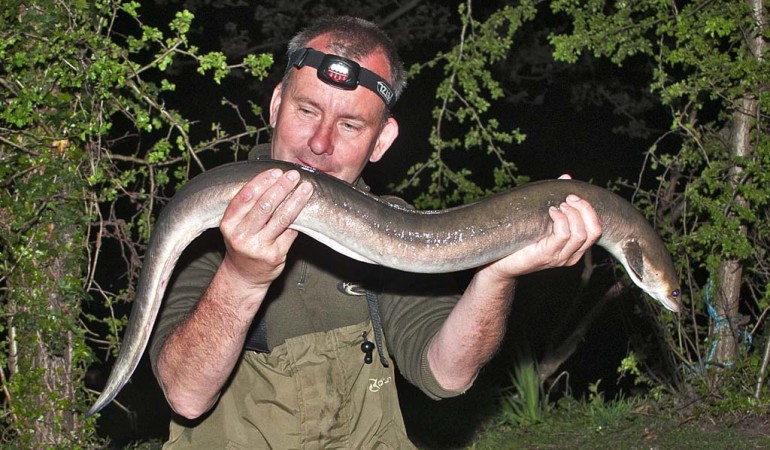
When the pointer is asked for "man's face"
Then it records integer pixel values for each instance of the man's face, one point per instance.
(330, 129)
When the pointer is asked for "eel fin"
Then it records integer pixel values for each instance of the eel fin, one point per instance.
(633, 253)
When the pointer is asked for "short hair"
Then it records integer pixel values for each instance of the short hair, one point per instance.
(352, 38)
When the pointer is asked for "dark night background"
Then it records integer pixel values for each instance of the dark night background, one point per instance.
(561, 138)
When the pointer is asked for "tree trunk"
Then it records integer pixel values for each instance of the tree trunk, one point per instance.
(56, 363)
(42, 299)
(730, 271)
(741, 147)
(726, 306)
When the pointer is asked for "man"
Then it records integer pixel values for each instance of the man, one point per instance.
(267, 343)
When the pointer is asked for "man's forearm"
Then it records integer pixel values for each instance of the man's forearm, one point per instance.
(472, 333)
(199, 356)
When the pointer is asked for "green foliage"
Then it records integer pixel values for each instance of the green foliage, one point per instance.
(618, 31)
(602, 414)
(526, 403)
(463, 113)
(83, 134)
(711, 71)
(631, 367)
(705, 185)
(729, 390)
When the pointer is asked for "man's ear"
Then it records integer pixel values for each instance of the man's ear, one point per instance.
(275, 104)
(388, 134)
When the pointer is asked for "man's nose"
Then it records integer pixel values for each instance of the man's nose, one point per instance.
(321, 141)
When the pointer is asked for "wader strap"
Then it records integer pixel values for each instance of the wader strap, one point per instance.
(257, 338)
(373, 301)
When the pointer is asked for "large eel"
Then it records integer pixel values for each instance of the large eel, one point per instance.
(365, 228)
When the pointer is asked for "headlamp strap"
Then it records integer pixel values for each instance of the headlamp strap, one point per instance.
(343, 73)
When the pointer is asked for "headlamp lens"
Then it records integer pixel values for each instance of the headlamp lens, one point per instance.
(338, 71)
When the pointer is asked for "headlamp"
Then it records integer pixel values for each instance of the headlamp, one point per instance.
(343, 73)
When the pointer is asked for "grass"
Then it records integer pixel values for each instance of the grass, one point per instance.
(524, 404)
(627, 424)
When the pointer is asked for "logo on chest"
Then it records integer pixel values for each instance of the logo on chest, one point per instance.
(351, 288)
(375, 384)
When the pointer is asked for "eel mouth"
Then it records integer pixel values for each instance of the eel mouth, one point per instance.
(671, 301)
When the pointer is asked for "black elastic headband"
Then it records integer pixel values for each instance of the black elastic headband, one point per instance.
(343, 73)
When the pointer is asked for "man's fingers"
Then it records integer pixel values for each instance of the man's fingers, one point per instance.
(245, 200)
(261, 217)
(288, 211)
(561, 229)
(264, 208)
(584, 225)
(576, 227)
(568, 234)
(588, 218)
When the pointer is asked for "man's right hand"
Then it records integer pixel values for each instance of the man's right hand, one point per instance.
(255, 227)
(257, 237)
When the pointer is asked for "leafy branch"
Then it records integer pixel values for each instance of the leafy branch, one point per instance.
(461, 117)
(88, 149)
